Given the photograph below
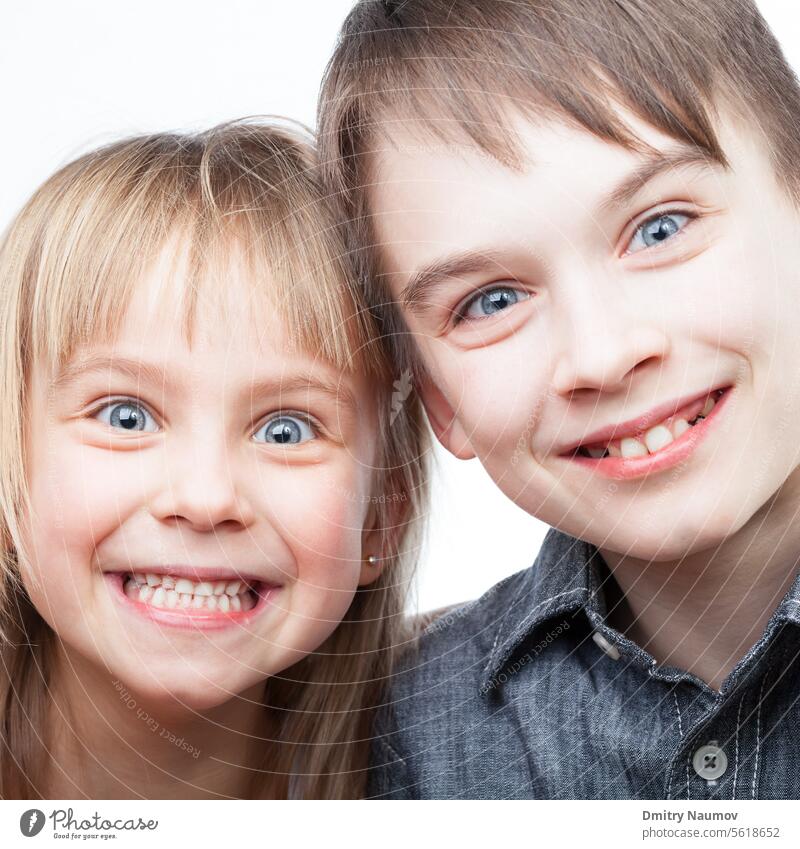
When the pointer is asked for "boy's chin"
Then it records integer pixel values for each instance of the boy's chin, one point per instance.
(665, 542)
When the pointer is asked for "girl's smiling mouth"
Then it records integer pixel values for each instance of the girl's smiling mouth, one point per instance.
(652, 444)
(169, 597)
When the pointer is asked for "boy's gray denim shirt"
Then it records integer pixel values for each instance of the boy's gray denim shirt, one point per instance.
(514, 697)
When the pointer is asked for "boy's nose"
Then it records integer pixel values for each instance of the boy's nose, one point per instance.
(602, 345)
(200, 486)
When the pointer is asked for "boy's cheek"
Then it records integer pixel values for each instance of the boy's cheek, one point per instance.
(497, 393)
(751, 316)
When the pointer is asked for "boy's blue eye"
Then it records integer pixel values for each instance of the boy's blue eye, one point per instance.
(488, 302)
(657, 230)
(285, 430)
(127, 415)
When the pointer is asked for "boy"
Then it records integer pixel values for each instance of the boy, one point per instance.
(578, 220)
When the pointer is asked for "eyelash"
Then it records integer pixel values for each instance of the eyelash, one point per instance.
(112, 402)
(459, 313)
(662, 213)
(124, 399)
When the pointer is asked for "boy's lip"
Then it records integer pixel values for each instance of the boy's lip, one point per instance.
(636, 426)
(677, 451)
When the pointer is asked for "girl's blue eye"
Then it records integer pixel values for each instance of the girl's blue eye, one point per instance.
(657, 230)
(127, 415)
(285, 430)
(488, 302)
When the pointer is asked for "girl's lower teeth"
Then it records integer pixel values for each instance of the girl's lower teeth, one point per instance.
(178, 593)
(653, 440)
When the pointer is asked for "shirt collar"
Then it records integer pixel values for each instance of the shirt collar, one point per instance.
(565, 577)
(789, 609)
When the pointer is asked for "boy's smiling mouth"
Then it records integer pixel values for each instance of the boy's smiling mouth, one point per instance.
(653, 441)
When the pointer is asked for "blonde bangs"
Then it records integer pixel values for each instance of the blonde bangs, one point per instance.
(241, 191)
(295, 273)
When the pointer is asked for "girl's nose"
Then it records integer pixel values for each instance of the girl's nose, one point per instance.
(203, 487)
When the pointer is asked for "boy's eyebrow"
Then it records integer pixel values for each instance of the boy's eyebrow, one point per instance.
(651, 168)
(416, 295)
(150, 373)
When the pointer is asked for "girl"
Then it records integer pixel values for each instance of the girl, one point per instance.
(209, 493)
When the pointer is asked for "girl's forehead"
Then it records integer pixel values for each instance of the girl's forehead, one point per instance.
(208, 295)
(224, 304)
(220, 325)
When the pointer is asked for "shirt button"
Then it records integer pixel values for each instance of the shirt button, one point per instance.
(710, 762)
(609, 648)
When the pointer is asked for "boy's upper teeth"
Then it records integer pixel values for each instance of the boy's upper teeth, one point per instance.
(654, 438)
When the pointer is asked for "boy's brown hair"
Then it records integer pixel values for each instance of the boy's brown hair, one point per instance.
(460, 68)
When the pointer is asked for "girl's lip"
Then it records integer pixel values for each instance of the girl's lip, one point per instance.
(190, 618)
(629, 468)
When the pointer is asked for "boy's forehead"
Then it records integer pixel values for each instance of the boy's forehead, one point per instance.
(429, 197)
(408, 152)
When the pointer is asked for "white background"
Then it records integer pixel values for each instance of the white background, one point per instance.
(81, 73)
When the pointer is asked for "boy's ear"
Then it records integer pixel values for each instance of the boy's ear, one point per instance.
(443, 420)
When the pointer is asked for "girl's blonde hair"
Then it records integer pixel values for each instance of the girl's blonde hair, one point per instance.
(68, 266)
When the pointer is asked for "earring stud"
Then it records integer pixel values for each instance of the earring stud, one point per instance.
(373, 560)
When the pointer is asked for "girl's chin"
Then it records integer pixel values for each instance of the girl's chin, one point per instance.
(147, 697)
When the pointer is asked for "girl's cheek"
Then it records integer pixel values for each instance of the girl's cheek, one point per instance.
(322, 520)
(78, 499)
(88, 496)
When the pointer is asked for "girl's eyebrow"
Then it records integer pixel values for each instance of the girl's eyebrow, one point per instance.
(140, 371)
(155, 375)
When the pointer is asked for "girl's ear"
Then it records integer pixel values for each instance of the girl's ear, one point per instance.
(444, 421)
(383, 528)
(372, 544)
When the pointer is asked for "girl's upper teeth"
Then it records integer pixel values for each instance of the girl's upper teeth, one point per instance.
(183, 585)
(171, 591)
(655, 438)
